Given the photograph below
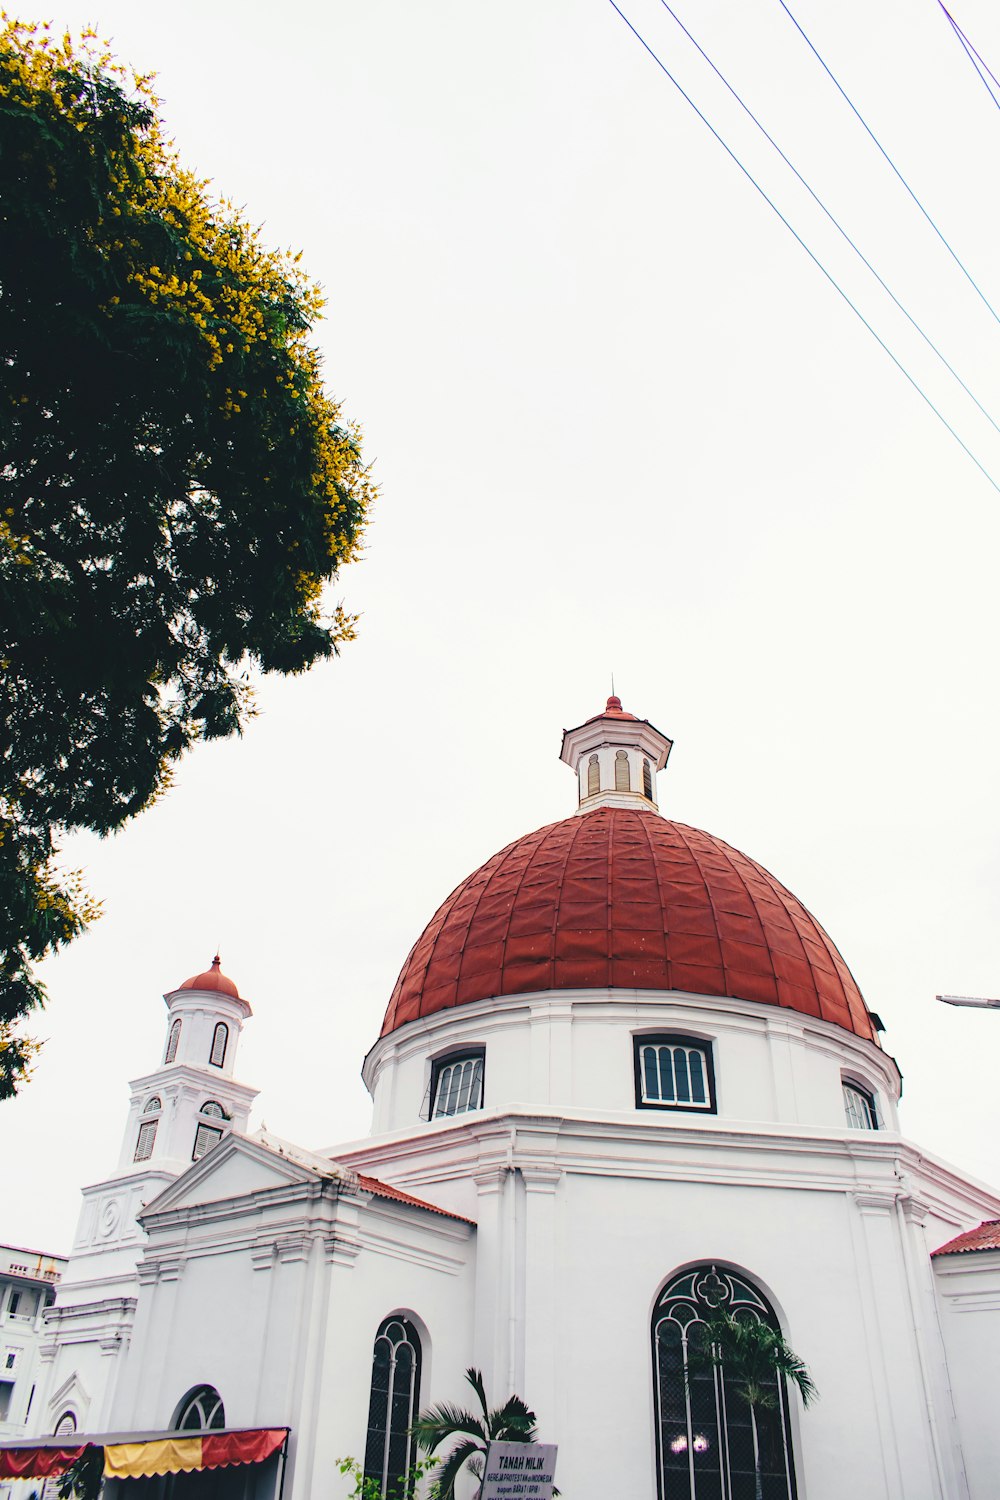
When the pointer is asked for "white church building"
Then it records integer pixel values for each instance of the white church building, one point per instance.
(624, 1078)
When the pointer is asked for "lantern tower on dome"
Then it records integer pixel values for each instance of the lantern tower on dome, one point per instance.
(616, 757)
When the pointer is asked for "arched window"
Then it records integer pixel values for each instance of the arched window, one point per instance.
(220, 1041)
(200, 1410)
(647, 780)
(704, 1435)
(394, 1403)
(623, 781)
(593, 776)
(859, 1107)
(173, 1039)
(65, 1424)
(152, 1106)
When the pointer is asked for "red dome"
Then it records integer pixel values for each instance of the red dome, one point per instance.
(622, 898)
(212, 979)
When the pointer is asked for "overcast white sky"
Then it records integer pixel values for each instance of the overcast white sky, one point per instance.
(620, 423)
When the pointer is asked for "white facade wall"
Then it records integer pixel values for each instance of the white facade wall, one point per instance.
(968, 1298)
(269, 1282)
(574, 1049)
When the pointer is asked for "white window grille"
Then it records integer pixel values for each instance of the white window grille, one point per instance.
(859, 1108)
(201, 1410)
(706, 1447)
(213, 1110)
(674, 1074)
(458, 1087)
(146, 1137)
(152, 1106)
(593, 776)
(623, 779)
(220, 1041)
(173, 1041)
(394, 1401)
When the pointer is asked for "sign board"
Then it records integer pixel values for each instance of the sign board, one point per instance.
(519, 1471)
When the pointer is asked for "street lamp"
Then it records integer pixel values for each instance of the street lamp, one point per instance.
(975, 1001)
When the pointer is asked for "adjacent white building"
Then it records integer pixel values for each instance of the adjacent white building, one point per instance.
(624, 1077)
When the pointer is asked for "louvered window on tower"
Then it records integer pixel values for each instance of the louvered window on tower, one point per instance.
(623, 781)
(144, 1142)
(647, 780)
(593, 776)
(457, 1085)
(673, 1073)
(173, 1040)
(220, 1040)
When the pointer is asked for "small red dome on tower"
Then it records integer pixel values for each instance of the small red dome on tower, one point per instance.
(212, 979)
(624, 899)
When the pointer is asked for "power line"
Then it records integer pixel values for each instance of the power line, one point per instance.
(830, 215)
(977, 62)
(846, 97)
(814, 258)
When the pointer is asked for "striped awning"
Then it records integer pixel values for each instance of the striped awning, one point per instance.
(141, 1455)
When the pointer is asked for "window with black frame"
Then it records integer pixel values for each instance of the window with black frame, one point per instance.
(674, 1072)
(860, 1109)
(705, 1432)
(390, 1449)
(457, 1083)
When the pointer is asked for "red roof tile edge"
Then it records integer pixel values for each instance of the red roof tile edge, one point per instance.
(986, 1236)
(383, 1190)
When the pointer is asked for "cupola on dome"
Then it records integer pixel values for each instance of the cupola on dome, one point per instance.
(212, 980)
(618, 897)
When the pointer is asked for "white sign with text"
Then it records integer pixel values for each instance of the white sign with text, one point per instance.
(519, 1471)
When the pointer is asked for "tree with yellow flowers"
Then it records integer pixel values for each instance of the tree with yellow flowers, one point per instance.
(176, 487)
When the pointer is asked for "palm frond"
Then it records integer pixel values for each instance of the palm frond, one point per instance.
(444, 1484)
(514, 1422)
(436, 1424)
(475, 1379)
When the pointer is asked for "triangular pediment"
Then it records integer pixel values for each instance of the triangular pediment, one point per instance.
(240, 1165)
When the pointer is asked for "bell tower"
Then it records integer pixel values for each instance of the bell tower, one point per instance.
(177, 1112)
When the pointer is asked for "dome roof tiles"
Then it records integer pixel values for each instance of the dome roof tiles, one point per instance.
(622, 898)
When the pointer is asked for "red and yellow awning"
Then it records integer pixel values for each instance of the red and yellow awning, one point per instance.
(179, 1454)
(142, 1457)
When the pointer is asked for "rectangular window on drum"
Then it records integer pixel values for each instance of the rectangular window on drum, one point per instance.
(673, 1073)
(457, 1086)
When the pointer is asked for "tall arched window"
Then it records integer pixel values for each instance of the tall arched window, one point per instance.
(173, 1039)
(647, 780)
(623, 781)
(201, 1410)
(394, 1403)
(220, 1041)
(704, 1441)
(593, 776)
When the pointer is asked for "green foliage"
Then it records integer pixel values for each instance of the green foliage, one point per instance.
(755, 1357)
(82, 1480)
(513, 1422)
(176, 488)
(371, 1489)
